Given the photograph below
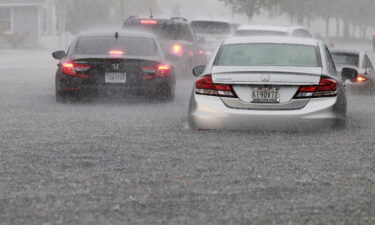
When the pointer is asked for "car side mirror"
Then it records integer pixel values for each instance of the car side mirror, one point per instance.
(348, 73)
(198, 70)
(173, 57)
(59, 54)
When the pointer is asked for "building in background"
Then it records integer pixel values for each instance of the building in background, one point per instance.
(32, 24)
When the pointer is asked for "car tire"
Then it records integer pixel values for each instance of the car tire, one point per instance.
(340, 124)
(61, 97)
(166, 93)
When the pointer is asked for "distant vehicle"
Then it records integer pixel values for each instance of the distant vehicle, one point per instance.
(127, 62)
(250, 30)
(176, 37)
(269, 82)
(364, 81)
(211, 33)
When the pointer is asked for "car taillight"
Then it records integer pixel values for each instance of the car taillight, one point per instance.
(177, 49)
(75, 69)
(359, 79)
(116, 52)
(149, 22)
(202, 52)
(156, 71)
(327, 87)
(205, 86)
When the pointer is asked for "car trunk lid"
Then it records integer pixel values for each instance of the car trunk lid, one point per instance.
(279, 84)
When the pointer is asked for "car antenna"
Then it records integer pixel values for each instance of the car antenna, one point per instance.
(151, 16)
(116, 35)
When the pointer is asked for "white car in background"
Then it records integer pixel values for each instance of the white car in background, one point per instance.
(259, 30)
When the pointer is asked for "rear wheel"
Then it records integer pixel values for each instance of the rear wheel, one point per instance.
(166, 93)
(340, 124)
(61, 96)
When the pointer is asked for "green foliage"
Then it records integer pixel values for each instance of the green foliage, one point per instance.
(359, 12)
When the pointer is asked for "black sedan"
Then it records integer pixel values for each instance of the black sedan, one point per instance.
(114, 62)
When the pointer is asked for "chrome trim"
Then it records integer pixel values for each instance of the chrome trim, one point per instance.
(236, 103)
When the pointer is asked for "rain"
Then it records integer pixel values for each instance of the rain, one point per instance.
(187, 112)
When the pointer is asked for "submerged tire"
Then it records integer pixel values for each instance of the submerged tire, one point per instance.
(61, 97)
(340, 124)
(166, 93)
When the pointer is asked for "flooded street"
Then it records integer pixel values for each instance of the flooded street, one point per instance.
(136, 162)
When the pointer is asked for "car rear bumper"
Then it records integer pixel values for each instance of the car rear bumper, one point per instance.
(208, 112)
(80, 84)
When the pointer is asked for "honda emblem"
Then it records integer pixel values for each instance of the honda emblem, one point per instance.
(265, 77)
(116, 66)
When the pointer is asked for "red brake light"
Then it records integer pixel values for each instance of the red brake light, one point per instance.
(116, 52)
(149, 22)
(360, 78)
(76, 70)
(327, 87)
(201, 52)
(156, 71)
(205, 86)
(177, 49)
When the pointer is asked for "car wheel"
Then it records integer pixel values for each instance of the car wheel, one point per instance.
(166, 93)
(61, 97)
(340, 124)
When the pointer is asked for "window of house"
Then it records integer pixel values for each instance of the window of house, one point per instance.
(5, 19)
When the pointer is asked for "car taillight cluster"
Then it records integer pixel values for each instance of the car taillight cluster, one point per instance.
(156, 71)
(359, 79)
(327, 87)
(74, 69)
(177, 49)
(205, 86)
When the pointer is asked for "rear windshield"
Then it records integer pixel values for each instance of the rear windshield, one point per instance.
(209, 27)
(260, 33)
(165, 31)
(129, 45)
(269, 55)
(346, 59)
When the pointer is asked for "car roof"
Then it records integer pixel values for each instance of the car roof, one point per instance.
(272, 39)
(209, 21)
(121, 33)
(270, 28)
(172, 20)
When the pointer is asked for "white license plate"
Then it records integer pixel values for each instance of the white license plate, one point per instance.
(265, 95)
(115, 78)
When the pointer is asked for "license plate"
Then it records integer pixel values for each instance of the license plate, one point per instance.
(115, 78)
(265, 95)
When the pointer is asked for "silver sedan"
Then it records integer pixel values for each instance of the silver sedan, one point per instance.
(276, 82)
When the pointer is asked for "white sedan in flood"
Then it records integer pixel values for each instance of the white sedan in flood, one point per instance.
(269, 82)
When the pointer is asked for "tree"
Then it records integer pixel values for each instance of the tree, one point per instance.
(248, 8)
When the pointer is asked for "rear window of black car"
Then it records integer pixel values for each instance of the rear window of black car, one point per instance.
(133, 46)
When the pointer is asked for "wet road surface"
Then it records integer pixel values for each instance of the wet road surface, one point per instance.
(135, 162)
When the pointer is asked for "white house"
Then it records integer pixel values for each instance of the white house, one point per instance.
(38, 23)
